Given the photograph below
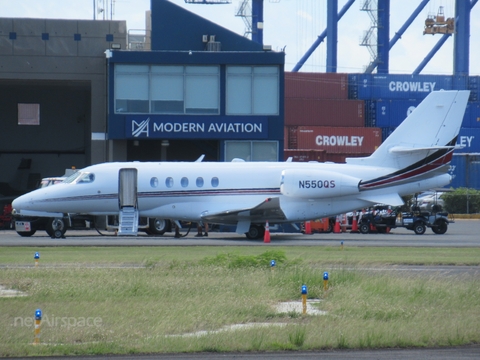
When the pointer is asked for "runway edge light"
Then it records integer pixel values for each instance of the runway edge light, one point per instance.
(325, 280)
(38, 321)
(304, 299)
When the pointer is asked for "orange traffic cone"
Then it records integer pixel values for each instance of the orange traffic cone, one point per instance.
(308, 228)
(354, 223)
(266, 237)
(344, 223)
(336, 228)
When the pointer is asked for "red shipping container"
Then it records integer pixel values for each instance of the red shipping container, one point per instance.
(316, 85)
(346, 113)
(304, 155)
(337, 140)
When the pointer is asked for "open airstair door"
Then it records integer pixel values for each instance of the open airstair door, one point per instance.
(127, 200)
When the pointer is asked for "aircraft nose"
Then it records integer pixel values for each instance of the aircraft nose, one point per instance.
(21, 203)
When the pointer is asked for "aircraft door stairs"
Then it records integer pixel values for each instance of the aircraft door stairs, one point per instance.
(127, 201)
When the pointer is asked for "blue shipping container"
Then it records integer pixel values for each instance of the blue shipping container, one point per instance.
(397, 86)
(386, 132)
(465, 169)
(473, 86)
(472, 115)
(390, 113)
(469, 138)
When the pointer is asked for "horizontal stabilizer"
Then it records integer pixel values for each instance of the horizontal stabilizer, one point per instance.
(386, 199)
(400, 149)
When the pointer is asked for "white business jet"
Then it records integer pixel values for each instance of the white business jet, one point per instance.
(414, 158)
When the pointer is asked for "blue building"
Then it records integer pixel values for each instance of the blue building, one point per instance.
(201, 89)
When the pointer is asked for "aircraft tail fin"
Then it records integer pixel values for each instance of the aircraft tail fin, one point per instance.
(427, 135)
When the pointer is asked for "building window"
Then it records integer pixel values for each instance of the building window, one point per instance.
(28, 114)
(160, 89)
(251, 150)
(131, 88)
(252, 90)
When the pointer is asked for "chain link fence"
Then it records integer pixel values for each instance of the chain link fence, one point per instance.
(462, 201)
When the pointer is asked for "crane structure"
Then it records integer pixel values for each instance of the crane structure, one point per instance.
(377, 38)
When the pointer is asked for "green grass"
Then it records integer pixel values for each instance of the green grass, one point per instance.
(179, 291)
(310, 254)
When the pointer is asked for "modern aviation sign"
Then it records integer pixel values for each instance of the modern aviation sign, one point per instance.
(173, 127)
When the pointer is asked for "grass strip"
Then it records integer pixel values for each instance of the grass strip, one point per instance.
(158, 307)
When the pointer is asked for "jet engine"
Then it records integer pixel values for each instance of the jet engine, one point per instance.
(313, 184)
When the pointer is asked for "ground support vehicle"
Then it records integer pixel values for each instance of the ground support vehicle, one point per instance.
(324, 225)
(6, 217)
(415, 221)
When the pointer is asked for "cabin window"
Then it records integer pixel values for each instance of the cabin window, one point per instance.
(215, 182)
(184, 182)
(154, 182)
(169, 182)
(199, 182)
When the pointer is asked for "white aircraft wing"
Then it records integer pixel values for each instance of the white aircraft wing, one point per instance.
(268, 209)
(387, 199)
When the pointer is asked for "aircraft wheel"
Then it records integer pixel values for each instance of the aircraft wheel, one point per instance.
(255, 232)
(26, 233)
(56, 227)
(419, 228)
(158, 226)
(364, 228)
(440, 227)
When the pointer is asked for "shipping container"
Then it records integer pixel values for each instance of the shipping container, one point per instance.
(469, 139)
(316, 85)
(398, 86)
(465, 169)
(337, 140)
(371, 113)
(391, 113)
(302, 155)
(311, 112)
(472, 115)
(473, 86)
(386, 132)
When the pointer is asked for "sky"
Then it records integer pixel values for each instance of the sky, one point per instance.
(292, 25)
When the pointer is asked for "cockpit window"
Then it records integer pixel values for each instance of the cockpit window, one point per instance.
(86, 178)
(80, 178)
(73, 177)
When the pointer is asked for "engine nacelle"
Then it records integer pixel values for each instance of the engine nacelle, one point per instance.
(314, 184)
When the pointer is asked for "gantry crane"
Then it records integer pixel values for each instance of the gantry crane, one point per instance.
(460, 26)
